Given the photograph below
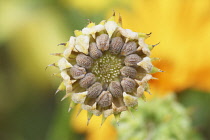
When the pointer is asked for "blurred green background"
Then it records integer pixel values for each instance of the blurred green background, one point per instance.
(30, 30)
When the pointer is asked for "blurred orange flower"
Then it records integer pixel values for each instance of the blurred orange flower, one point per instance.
(183, 29)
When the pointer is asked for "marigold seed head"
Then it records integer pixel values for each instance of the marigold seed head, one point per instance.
(111, 68)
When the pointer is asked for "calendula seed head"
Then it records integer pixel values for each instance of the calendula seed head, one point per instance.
(105, 68)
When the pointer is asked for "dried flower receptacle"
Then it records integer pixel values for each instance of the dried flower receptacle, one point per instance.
(105, 68)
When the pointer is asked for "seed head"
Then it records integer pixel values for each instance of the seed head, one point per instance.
(105, 68)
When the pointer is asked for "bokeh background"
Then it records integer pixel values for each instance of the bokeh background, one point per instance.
(30, 30)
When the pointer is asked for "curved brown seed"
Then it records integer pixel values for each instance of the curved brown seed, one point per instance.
(102, 42)
(128, 72)
(105, 99)
(94, 51)
(84, 61)
(115, 89)
(77, 72)
(116, 45)
(132, 60)
(128, 84)
(88, 80)
(94, 90)
(129, 48)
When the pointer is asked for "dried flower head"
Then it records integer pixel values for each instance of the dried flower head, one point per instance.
(105, 68)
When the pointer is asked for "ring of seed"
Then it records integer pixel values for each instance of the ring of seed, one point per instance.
(108, 70)
(105, 68)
